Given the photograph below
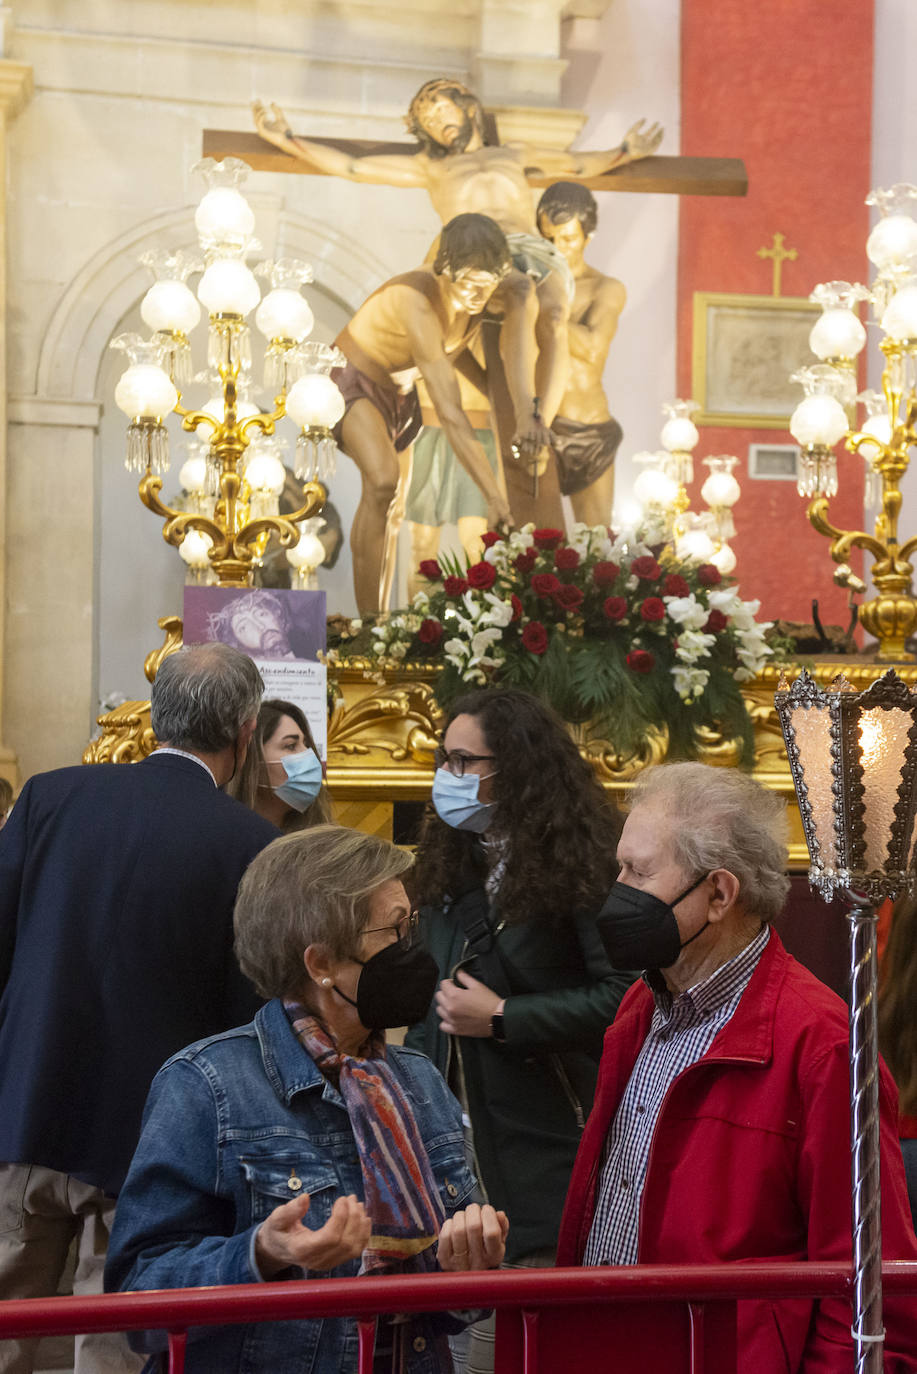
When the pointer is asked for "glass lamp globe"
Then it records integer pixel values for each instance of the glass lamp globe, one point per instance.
(655, 488)
(724, 559)
(818, 421)
(145, 392)
(899, 319)
(695, 546)
(315, 401)
(679, 434)
(193, 473)
(892, 242)
(224, 216)
(216, 409)
(285, 314)
(228, 287)
(880, 426)
(194, 549)
(170, 306)
(721, 487)
(837, 334)
(265, 472)
(308, 553)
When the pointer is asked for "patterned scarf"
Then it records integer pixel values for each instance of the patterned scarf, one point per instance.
(399, 1190)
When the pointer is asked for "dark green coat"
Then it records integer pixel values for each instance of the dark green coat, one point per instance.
(527, 1098)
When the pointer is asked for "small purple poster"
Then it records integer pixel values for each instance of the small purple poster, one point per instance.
(262, 622)
(282, 631)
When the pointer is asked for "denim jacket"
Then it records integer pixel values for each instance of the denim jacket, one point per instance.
(230, 1124)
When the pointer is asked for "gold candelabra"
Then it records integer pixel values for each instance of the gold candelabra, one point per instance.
(235, 507)
(662, 492)
(889, 430)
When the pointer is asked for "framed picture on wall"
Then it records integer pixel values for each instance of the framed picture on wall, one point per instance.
(745, 348)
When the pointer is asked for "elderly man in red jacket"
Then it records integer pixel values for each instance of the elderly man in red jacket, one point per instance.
(721, 1121)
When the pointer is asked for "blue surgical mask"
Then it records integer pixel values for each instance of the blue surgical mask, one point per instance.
(304, 780)
(456, 801)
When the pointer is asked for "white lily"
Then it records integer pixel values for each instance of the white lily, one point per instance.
(686, 611)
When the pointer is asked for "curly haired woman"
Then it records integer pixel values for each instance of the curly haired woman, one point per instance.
(515, 859)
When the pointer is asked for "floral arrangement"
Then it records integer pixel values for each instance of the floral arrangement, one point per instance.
(604, 627)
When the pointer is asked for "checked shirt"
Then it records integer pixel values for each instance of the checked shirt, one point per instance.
(681, 1032)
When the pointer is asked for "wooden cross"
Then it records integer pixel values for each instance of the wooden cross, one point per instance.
(779, 254)
(679, 176)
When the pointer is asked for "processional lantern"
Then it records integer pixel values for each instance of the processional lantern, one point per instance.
(234, 472)
(853, 757)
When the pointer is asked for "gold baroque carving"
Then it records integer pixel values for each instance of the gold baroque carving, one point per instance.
(614, 767)
(127, 735)
(366, 725)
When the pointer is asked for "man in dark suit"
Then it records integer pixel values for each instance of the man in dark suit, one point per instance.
(117, 885)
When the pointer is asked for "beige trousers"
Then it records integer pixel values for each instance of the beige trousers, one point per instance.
(41, 1213)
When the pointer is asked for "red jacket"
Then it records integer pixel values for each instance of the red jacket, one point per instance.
(750, 1159)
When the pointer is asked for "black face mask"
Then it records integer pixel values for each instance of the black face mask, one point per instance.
(395, 987)
(639, 931)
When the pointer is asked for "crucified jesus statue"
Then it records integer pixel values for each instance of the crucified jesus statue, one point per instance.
(463, 174)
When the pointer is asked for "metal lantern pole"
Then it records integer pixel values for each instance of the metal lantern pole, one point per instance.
(867, 1327)
(853, 757)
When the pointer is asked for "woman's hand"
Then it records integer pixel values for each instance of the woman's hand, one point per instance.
(466, 1008)
(473, 1239)
(282, 1240)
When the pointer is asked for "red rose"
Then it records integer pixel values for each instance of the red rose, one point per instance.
(653, 609)
(547, 539)
(535, 637)
(430, 569)
(482, 575)
(708, 575)
(490, 538)
(455, 586)
(566, 559)
(615, 608)
(647, 568)
(571, 598)
(603, 574)
(640, 661)
(716, 622)
(430, 632)
(525, 562)
(545, 584)
(516, 605)
(675, 585)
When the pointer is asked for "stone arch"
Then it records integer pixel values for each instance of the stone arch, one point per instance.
(113, 281)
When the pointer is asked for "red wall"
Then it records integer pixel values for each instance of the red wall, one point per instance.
(787, 86)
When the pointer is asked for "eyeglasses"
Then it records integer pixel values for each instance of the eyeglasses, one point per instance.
(456, 762)
(404, 929)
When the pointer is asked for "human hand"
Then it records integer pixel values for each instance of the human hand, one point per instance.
(473, 1239)
(640, 142)
(282, 1240)
(273, 126)
(466, 1008)
(531, 443)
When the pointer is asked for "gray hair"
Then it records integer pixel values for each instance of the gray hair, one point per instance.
(722, 818)
(310, 888)
(202, 695)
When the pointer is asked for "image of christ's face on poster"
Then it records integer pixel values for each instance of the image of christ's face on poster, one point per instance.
(262, 623)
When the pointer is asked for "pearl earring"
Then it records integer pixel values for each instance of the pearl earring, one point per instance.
(326, 982)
